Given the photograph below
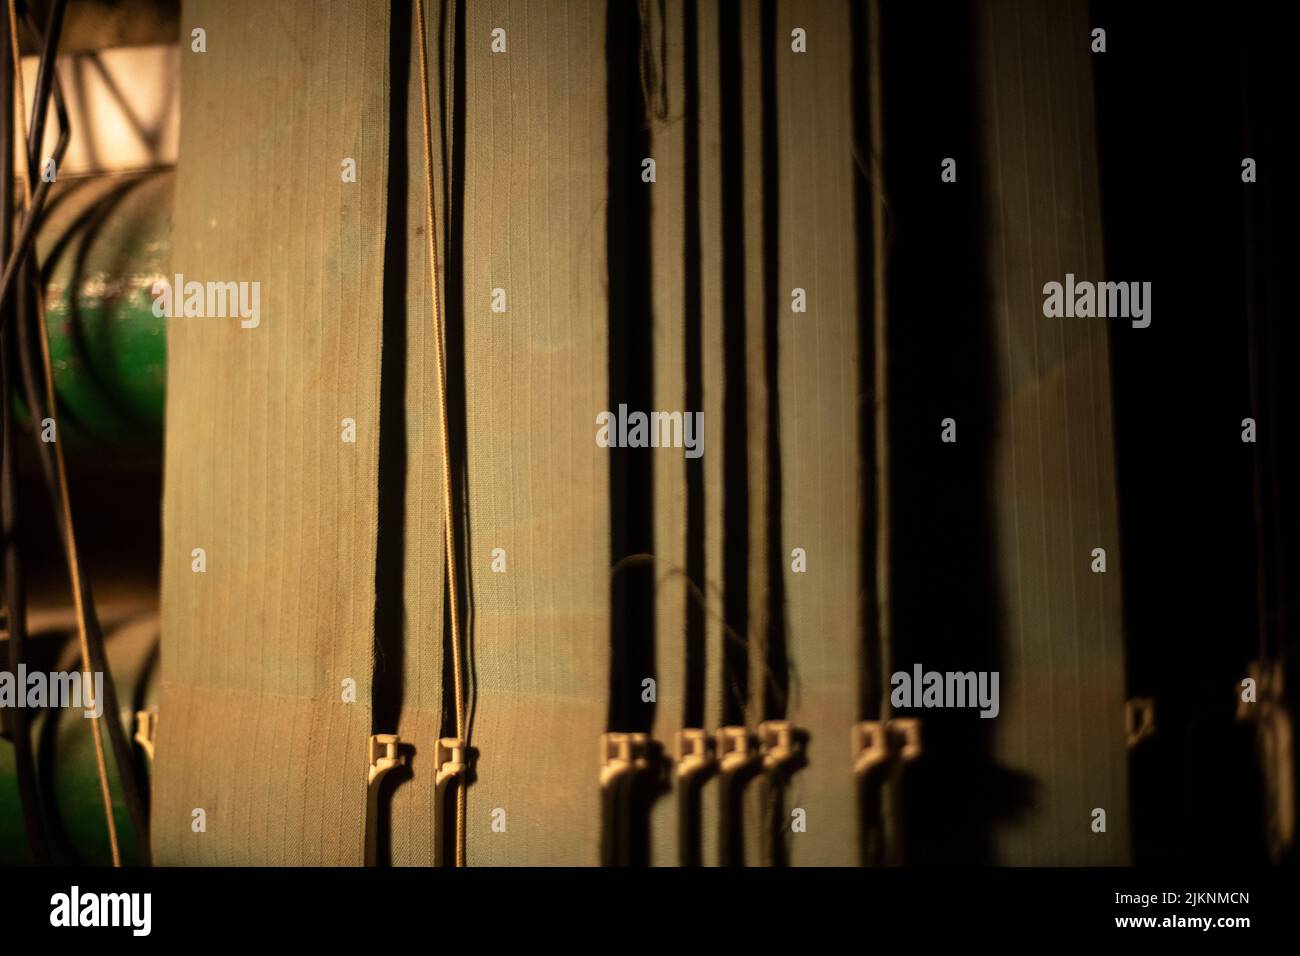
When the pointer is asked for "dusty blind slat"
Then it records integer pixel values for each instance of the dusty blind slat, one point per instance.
(253, 728)
(535, 187)
(819, 386)
(668, 241)
(1063, 696)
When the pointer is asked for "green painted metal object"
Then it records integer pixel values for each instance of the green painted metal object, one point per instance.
(104, 244)
(65, 755)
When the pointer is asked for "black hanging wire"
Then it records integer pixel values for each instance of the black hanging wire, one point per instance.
(17, 723)
(27, 275)
(46, 81)
(21, 270)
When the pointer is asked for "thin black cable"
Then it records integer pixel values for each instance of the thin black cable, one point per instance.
(15, 599)
(20, 262)
(19, 253)
(24, 761)
(28, 279)
(123, 756)
(47, 82)
(45, 78)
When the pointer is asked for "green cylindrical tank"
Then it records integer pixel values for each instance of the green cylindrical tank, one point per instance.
(65, 755)
(104, 244)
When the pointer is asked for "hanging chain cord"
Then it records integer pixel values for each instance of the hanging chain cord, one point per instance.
(440, 369)
(65, 498)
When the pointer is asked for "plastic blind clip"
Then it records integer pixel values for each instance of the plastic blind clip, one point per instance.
(737, 749)
(695, 753)
(385, 755)
(875, 743)
(449, 757)
(622, 754)
(146, 730)
(782, 745)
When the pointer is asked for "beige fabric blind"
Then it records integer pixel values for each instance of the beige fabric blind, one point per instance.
(255, 650)
(821, 386)
(810, 457)
(1063, 692)
(668, 199)
(253, 727)
(536, 379)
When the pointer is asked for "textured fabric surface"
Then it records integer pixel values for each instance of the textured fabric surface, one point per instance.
(712, 373)
(753, 332)
(754, 197)
(253, 729)
(1063, 700)
(667, 121)
(712, 360)
(820, 382)
(801, 196)
(535, 186)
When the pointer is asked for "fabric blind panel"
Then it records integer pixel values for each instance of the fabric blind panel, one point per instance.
(713, 363)
(535, 189)
(819, 388)
(663, 27)
(252, 726)
(746, 223)
(1062, 705)
(418, 540)
(756, 166)
(686, 221)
